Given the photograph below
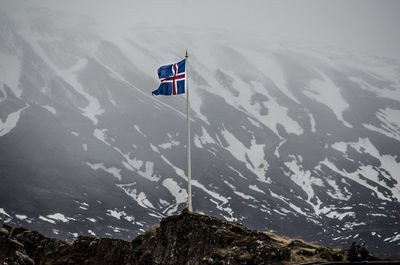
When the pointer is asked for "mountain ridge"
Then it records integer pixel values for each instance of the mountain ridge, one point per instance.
(188, 238)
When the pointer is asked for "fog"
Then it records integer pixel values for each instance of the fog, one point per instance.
(370, 26)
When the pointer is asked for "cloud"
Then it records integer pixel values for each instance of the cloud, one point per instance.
(366, 25)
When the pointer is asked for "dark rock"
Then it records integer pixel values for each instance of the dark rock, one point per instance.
(18, 230)
(329, 254)
(337, 257)
(304, 252)
(7, 227)
(299, 243)
(193, 237)
(188, 238)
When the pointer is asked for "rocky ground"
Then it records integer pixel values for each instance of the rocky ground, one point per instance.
(187, 238)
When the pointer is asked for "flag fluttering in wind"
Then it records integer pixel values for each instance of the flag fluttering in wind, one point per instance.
(172, 79)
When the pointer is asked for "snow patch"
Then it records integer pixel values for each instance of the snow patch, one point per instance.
(116, 172)
(216, 198)
(139, 197)
(312, 122)
(93, 108)
(50, 109)
(214, 195)
(2, 211)
(21, 216)
(47, 219)
(377, 214)
(204, 139)
(303, 179)
(101, 135)
(148, 172)
(178, 170)
(388, 163)
(171, 143)
(116, 214)
(254, 122)
(340, 146)
(277, 113)
(83, 205)
(325, 91)
(239, 174)
(10, 122)
(252, 157)
(392, 94)
(286, 201)
(137, 128)
(393, 238)
(337, 215)
(390, 126)
(367, 171)
(129, 218)
(255, 188)
(177, 192)
(276, 152)
(336, 193)
(154, 148)
(58, 217)
(240, 194)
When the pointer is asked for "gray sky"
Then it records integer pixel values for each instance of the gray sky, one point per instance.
(371, 26)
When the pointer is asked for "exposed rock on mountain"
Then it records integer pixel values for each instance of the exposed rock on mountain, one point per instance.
(188, 238)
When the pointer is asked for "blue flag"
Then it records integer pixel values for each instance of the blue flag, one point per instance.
(172, 78)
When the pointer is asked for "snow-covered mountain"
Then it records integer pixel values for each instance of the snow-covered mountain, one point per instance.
(288, 137)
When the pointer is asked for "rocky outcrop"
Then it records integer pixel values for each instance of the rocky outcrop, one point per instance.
(188, 238)
(208, 240)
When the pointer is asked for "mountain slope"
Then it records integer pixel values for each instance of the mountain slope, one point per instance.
(295, 139)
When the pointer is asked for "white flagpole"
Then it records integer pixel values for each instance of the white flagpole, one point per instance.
(189, 166)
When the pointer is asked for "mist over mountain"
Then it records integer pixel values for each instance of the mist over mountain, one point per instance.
(288, 136)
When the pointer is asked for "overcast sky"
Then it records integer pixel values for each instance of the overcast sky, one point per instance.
(372, 26)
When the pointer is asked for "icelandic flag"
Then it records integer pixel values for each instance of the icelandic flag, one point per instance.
(172, 78)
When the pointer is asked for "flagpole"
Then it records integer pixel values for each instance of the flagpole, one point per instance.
(189, 165)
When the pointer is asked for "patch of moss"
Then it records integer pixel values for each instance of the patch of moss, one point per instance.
(24, 258)
(246, 256)
(15, 242)
(4, 232)
(222, 251)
